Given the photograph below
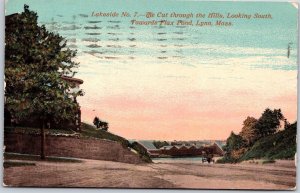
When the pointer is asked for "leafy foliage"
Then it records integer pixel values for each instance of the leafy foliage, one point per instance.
(235, 147)
(281, 145)
(226, 159)
(248, 132)
(35, 61)
(269, 122)
(234, 142)
(142, 152)
(261, 139)
(100, 124)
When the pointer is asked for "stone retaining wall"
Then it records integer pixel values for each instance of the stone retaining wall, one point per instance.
(62, 146)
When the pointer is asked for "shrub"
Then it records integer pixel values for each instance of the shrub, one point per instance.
(268, 161)
(142, 152)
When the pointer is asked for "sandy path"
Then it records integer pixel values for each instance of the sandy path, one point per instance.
(95, 173)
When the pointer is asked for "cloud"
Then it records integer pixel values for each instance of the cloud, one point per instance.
(83, 15)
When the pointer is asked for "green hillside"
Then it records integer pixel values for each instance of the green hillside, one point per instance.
(281, 145)
(91, 131)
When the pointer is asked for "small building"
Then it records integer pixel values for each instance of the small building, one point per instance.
(168, 147)
(217, 149)
(75, 82)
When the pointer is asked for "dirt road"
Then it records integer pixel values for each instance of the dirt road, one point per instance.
(95, 173)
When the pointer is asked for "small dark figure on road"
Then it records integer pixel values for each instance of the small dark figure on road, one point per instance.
(208, 159)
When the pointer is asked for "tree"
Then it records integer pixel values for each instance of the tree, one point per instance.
(235, 147)
(234, 142)
(248, 132)
(269, 122)
(100, 124)
(35, 61)
(96, 122)
(286, 124)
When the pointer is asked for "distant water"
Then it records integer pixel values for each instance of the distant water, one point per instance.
(179, 160)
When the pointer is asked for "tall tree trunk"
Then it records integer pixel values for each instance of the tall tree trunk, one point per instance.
(43, 157)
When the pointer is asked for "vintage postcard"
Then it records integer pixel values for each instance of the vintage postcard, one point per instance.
(179, 94)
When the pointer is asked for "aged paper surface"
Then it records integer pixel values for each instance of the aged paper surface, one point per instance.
(150, 94)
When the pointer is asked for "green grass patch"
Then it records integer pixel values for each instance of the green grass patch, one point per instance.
(8, 164)
(142, 152)
(15, 156)
(268, 161)
(37, 131)
(90, 131)
(225, 160)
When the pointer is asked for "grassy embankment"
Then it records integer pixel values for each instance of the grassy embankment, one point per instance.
(27, 157)
(9, 164)
(281, 145)
(17, 160)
